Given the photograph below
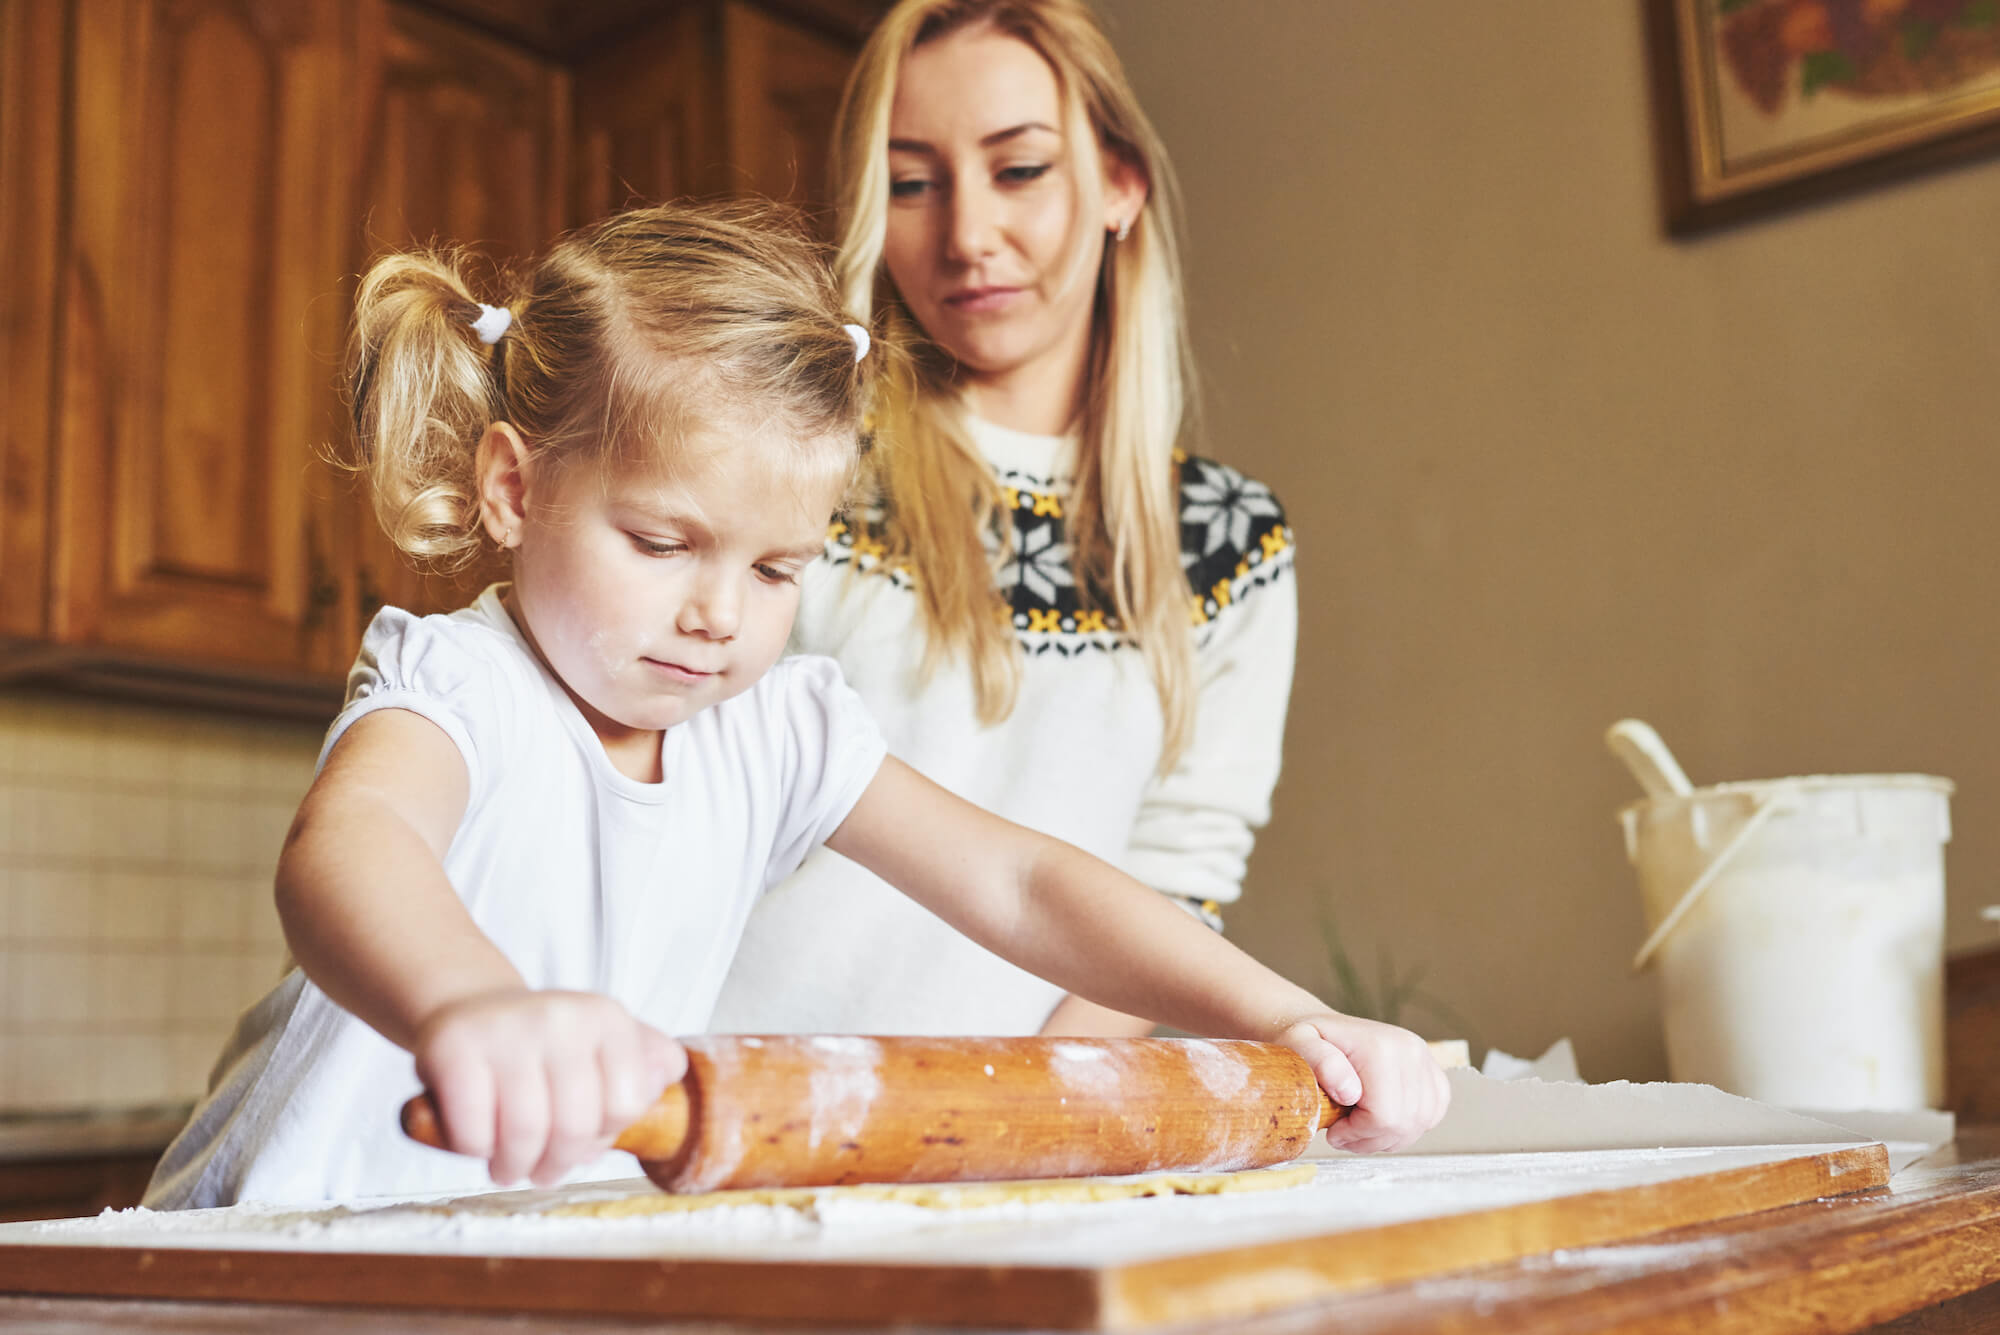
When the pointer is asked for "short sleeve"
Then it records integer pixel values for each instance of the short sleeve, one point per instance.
(833, 749)
(432, 666)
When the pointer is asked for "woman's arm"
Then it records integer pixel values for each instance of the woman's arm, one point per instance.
(1084, 925)
(1059, 912)
(534, 1082)
(1194, 828)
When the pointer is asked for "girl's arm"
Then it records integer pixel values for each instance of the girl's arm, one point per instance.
(1084, 925)
(533, 1082)
(361, 879)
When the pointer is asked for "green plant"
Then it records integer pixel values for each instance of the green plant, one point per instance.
(1393, 993)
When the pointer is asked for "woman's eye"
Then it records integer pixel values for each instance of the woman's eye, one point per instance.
(909, 187)
(653, 548)
(777, 575)
(1024, 173)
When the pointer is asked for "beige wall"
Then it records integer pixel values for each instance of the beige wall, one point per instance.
(1548, 468)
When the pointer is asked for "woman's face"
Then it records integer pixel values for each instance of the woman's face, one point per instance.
(986, 242)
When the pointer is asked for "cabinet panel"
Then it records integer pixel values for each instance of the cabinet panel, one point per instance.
(191, 516)
(33, 92)
(783, 87)
(645, 123)
(465, 140)
(466, 144)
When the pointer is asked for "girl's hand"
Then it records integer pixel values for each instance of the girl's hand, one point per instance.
(1386, 1075)
(536, 1083)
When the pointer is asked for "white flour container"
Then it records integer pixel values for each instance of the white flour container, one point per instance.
(1798, 927)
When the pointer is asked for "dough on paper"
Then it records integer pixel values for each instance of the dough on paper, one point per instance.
(952, 1195)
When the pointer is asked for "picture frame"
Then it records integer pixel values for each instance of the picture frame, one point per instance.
(1763, 105)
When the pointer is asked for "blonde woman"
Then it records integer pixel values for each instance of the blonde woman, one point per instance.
(1055, 609)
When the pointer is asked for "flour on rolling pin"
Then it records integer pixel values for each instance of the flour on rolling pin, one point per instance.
(810, 1111)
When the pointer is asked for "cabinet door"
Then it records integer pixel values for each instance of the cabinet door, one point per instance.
(645, 118)
(33, 94)
(465, 146)
(782, 86)
(199, 328)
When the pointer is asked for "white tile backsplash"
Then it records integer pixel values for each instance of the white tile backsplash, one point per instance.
(48, 904)
(59, 744)
(191, 1055)
(51, 1072)
(52, 989)
(211, 909)
(133, 827)
(133, 907)
(56, 823)
(136, 851)
(132, 1070)
(208, 990)
(128, 991)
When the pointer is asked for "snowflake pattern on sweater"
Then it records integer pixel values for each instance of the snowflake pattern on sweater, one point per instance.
(1234, 540)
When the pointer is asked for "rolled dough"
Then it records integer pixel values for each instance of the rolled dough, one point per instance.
(953, 1195)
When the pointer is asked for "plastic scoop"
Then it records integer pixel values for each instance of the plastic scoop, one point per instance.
(1647, 757)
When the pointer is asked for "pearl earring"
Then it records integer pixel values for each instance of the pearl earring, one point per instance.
(1124, 229)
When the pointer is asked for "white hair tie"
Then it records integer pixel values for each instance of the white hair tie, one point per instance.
(860, 337)
(492, 323)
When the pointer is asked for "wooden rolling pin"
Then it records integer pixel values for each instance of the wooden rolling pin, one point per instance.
(806, 1111)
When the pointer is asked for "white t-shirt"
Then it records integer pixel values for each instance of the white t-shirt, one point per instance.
(834, 949)
(586, 879)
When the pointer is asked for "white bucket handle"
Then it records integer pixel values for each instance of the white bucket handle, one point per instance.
(1782, 798)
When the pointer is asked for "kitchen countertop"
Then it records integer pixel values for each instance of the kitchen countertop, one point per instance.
(1921, 1256)
(70, 1135)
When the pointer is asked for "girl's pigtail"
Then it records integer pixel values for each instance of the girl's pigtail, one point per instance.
(424, 385)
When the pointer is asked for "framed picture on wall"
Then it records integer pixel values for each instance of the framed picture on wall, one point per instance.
(1764, 104)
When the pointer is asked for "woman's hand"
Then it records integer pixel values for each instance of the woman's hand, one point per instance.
(536, 1083)
(1385, 1075)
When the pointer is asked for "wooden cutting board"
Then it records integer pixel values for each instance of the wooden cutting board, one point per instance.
(1363, 1222)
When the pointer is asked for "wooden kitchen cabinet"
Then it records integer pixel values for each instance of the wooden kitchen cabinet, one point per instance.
(782, 86)
(70, 1187)
(32, 91)
(178, 175)
(720, 98)
(465, 143)
(646, 117)
(187, 191)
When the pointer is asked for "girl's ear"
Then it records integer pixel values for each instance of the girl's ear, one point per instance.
(1125, 191)
(501, 467)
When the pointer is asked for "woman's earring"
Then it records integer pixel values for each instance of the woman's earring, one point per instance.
(1124, 229)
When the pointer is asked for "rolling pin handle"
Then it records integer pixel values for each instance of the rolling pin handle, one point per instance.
(421, 1124)
(1329, 1112)
(658, 1134)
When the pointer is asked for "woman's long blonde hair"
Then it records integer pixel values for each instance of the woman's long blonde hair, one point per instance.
(1123, 519)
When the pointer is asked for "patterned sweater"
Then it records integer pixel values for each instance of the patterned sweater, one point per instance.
(833, 949)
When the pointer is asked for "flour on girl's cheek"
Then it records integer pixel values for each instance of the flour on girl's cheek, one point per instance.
(615, 657)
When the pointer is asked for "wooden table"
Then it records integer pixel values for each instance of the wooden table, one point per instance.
(1923, 1256)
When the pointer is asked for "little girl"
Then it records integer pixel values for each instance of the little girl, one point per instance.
(540, 822)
